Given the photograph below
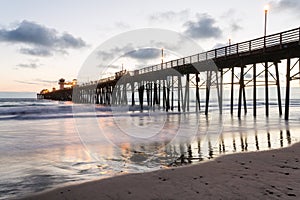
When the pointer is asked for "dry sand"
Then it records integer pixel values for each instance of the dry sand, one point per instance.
(265, 175)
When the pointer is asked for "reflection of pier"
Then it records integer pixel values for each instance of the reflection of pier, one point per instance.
(168, 85)
(203, 149)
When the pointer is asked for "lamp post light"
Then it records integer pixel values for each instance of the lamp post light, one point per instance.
(267, 7)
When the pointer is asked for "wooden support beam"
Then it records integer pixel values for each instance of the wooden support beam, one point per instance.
(110, 95)
(107, 96)
(221, 91)
(151, 94)
(97, 96)
(148, 93)
(119, 96)
(185, 105)
(278, 88)
(125, 100)
(232, 91)
(155, 96)
(254, 90)
(208, 83)
(240, 92)
(132, 94)
(168, 96)
(287, 95)
(187, 92)
(172, 94)
(164, 95)
(159, 93)
(218, 92)
(101, 96)
(267, 88)
(179, 93)
(197, 93)
(245, 100)
(141, 95)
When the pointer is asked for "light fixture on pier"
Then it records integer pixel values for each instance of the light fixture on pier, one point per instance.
(266, 9)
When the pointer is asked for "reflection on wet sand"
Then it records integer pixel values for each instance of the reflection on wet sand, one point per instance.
(260, 142)
(177, 142)
(128, 156)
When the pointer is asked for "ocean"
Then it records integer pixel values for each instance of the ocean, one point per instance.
(48, 144)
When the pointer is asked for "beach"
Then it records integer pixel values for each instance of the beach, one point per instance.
(48, 157)
(271, 174)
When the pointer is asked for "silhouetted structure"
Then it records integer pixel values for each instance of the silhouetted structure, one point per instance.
(163, 82)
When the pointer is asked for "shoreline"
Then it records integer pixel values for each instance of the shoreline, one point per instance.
(256, 175)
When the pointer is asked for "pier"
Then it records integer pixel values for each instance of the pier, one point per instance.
(168, 85)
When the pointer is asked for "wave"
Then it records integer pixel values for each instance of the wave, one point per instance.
(32, 109)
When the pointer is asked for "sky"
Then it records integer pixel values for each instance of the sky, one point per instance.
(42, 41)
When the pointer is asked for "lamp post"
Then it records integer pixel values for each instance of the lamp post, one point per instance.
(267, 7)
(229, 43)
(162, 55)
(266, 65)
(162, 58)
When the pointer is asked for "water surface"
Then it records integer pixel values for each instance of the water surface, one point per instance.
(47, 144)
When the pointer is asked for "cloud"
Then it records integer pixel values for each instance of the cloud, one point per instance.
(141, 57)
(106, 55)
(170, 16)
(248, 76)
(44, 81)
(69, 41)
(109, 54)
(283, 5)
(37, 82)
(30, 33)
(26, 82)
(38, 51)
(144, 54)
(232, 18)
(126, 51)
(114, 67)
(219, 45)
(203, 28)
(29, 66)
(234, 26)
(42, 40)
(122, 25)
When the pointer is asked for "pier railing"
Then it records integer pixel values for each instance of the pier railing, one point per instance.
(278, 39)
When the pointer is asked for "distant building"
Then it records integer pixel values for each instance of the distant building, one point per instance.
(61, 83)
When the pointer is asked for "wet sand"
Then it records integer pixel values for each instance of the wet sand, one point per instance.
(262, 175)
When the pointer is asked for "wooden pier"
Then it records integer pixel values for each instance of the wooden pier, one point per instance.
(159, 86)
